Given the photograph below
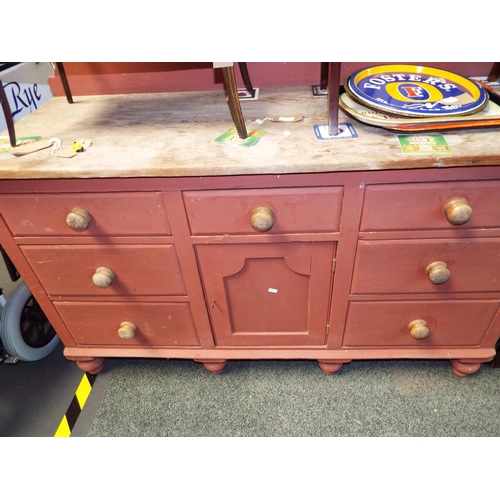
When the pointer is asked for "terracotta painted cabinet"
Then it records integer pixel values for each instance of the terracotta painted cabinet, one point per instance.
(329, 266)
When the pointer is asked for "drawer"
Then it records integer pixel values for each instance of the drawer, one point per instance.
(137, 269)
(110, 214)
(401, 266)
(158, 324)
(291, 210)
(422, 206)
(449, 323)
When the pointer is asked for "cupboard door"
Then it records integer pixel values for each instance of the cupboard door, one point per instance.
(268, 294)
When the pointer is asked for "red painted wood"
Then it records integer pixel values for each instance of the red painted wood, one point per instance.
(97, 323)
(112, 214)
(187, 261)
(451, 323)
(91, 78)
(464, 327)
(295, 210)
(400, 266)
(345, 254)
(298, 352)
(268, 294)
(421, 206)
(139, 269)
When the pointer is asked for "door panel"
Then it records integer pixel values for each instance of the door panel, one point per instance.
(268, 294)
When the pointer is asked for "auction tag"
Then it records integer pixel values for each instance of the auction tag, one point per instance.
(346, 131)
(231, 137)
(30, 147)
(76, 148)
(424, 144)
(5, 142)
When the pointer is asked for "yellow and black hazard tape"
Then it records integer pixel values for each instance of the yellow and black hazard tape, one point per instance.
(76, 406)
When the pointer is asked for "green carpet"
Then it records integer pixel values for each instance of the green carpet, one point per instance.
(148, 397)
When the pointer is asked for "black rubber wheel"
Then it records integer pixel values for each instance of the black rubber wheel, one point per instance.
(24, 329)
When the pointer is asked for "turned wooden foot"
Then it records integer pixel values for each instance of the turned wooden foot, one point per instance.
(213, 365)
(461, 369)
(91, 365)
(329, 366)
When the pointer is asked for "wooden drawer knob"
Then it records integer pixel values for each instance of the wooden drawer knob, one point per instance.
(458, 211)
(103, 277)
(127, 330)
(78, 219)
(262, 218)
(418, 329)
(438, 273)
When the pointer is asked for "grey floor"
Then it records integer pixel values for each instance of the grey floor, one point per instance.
(34, 396)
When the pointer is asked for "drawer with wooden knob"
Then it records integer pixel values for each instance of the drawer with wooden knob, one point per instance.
(120, 323)
(254, 211)
(440, 205)
(427, 266)
(105, 270)
(438, 323)
(85, 214)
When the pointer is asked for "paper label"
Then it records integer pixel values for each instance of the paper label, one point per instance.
(5, 142)
(231, 137)
(423, 144)
(346, 131)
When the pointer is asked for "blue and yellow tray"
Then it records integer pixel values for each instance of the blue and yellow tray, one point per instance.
(418, 91)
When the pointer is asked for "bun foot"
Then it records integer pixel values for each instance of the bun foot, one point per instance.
(213, 365)
(92, 365)
(461, 369)
(330, 367)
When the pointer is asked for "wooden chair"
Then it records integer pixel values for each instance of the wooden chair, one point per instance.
(232, 94)
(229, 83)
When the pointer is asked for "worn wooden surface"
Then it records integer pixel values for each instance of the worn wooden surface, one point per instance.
(155, 135)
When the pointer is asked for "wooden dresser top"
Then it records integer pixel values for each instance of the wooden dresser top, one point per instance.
(173, 135)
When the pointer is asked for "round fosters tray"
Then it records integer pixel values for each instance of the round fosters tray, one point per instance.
(411, 90)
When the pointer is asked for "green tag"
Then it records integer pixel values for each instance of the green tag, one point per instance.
(5, 142)
(424, 144)
(231, 137)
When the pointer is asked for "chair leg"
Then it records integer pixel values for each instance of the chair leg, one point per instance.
(323, 84)
(234, 102)
(246, 77)
(494, 73)
(64, 81)
(333, 97)
(8, 116)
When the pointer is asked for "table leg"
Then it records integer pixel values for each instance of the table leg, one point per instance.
(323, 85)
(246, 77)
(234, 102)
(333, 97)
(64, 81)
(494, 73)
(8, 116)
